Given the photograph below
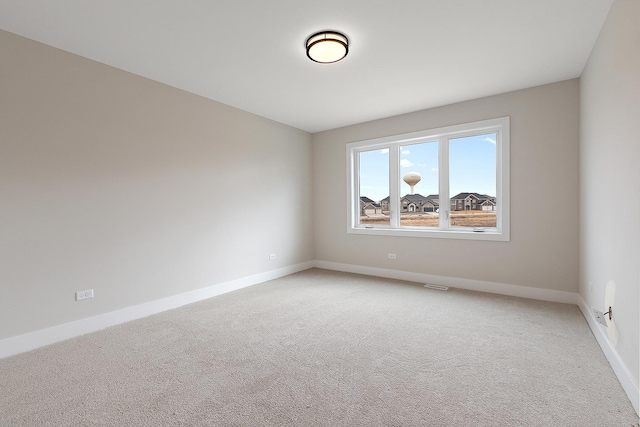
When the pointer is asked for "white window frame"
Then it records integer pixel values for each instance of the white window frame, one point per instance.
(499, 126)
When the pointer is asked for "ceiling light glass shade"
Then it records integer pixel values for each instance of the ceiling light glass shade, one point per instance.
(327, 47)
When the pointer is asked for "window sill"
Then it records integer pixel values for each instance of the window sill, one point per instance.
(463, 234)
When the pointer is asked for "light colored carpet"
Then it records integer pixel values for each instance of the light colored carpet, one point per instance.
(321, 348)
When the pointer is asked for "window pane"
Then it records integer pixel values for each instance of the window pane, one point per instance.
(374, 187)
(419, 201)
(472, 181)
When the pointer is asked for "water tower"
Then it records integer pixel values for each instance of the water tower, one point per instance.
(412, 178)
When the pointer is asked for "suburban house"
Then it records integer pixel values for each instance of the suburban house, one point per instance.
(369, 207)
(385, 204)
(419, 203)
(414, 203)
(133, 135)
(488, 205)
(472, 201)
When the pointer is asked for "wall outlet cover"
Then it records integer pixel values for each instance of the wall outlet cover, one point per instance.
(84, 294)
(600, 317)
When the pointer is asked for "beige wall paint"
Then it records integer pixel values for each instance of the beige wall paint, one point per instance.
(112, 182)
(610, 175)
(543, 251)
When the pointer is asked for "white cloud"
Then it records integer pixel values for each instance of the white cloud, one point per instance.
(434, 169)
(405, 163)
(422, 165)
(491, 140)
(384, 151)
(405, 151)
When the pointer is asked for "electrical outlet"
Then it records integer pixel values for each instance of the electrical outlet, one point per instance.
(272, 257)
(392, 256)
(84, 294)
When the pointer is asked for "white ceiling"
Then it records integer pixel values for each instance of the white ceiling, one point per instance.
(405, 55)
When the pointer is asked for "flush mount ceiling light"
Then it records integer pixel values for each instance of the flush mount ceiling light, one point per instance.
(326, 47)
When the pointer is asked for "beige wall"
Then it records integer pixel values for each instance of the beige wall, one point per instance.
(543, 251)
(112, 182)
(610, 175)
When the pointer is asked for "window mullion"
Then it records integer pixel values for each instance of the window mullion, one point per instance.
(499, 170)
(443, 179)
(394, 185)
(355, 188)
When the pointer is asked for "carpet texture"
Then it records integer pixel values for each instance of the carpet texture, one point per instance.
(321, 348)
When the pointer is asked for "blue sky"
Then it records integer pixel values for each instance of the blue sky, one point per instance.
(472, 167)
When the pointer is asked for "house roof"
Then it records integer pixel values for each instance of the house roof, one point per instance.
(462, 196)
(374, 204)
(365, 199)
(434, 198)
(415, 198)
(421, 200)
(178, 43)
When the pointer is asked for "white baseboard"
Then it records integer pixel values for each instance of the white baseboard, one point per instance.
(469, 284)
(33, 340)
(618, 366)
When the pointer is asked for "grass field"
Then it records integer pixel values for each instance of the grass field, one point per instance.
(461, 219)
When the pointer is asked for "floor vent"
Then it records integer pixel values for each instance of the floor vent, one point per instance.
(436, 287)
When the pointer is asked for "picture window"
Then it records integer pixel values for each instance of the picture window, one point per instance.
(448, 182)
